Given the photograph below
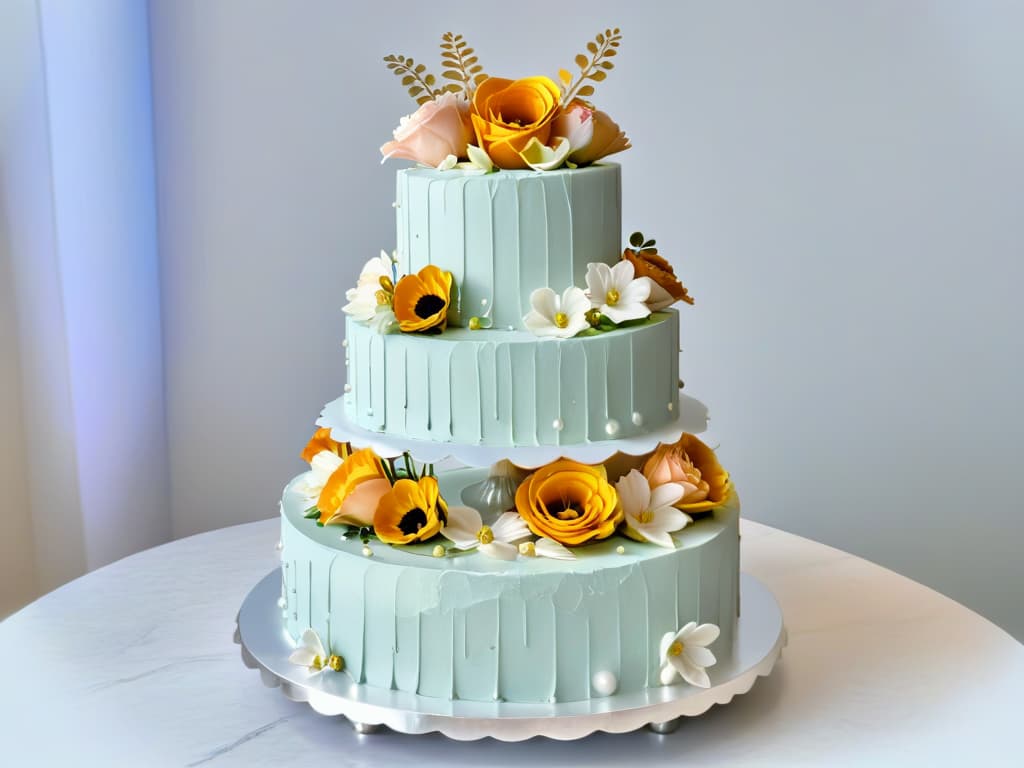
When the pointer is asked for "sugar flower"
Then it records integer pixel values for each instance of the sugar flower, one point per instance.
(562, 316)
(647, 262)
(351, 494)
(606, 139)
(545, 547)
(321, 467)
(615, 292)
(412, 510)
(650, 515)
(421, 300)
(569, 502)
(311, 654)
(694, 466)
(366, 296)
(437, 129)
(465, 529)
(575, 124)
(685, 653)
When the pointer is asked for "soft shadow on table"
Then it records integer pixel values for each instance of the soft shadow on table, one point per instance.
(695, 737)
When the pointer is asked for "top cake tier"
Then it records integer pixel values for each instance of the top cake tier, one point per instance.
(503, 235)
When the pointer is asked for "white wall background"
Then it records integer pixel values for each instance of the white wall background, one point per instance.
(840, 184)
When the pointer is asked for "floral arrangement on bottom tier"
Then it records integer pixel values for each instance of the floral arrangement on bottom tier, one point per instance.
(559, 507)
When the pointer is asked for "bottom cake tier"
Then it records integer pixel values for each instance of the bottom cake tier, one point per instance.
(471, 627)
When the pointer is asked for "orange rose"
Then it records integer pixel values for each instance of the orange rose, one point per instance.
(693, 465)
(508, 113)
(569, 502)
(351, 494)
(322, 441)
(648, 263)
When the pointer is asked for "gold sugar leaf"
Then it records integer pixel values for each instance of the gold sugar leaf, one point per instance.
(460, 64)
(564, 76)
(418, 82)
(595, 68)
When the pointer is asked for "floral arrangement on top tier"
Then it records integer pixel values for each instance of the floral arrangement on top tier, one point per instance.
(479, 123)
(559, 506)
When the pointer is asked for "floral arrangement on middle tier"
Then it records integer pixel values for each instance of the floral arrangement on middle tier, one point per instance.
(641, 283)
(559, 507)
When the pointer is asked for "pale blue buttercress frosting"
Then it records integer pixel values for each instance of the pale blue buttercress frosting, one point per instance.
(502, 235)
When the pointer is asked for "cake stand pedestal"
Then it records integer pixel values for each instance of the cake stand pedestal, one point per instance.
(760, 638)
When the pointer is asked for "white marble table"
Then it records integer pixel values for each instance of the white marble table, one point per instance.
(134, 665)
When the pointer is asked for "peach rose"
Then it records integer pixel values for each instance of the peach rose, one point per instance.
(506, 114)
(351, 494)
(693, 465)
(569, 502)
(649, 263)
(606, 139)
(437, 129)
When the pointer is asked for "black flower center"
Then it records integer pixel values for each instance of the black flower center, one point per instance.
(412, 521)
(427, 306)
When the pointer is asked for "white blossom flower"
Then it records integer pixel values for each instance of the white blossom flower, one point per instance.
(466, 530)
(321, 468)
(311, 654)
(650, 515)
(545, 547)
(384, 320)
(659, 298)
(362, 300)
(616, 293)
(685, 653)
(559, 316)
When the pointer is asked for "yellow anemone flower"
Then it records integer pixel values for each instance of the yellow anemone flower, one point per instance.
(351, 493)
(412, 510)
(693, 465)
(569, 502)
(322, 441)
(421, 300)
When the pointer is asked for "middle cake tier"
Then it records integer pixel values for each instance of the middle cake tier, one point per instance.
(509, 388)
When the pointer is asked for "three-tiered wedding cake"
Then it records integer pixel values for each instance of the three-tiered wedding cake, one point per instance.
(590, 544)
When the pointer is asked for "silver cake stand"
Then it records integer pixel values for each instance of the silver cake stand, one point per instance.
(760, 638)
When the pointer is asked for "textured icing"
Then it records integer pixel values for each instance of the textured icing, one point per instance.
(471, 627)
(505, 234)
(509, 387)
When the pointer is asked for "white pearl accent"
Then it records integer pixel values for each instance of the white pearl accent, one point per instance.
(367, 552)
(604, 683)
(620, 549)
(344, 342)
(612, 427)
(483, 302)
(279, 546)
(282, 603)
(558, 425)
(671, 407)
(638, 418)
(348, 388)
